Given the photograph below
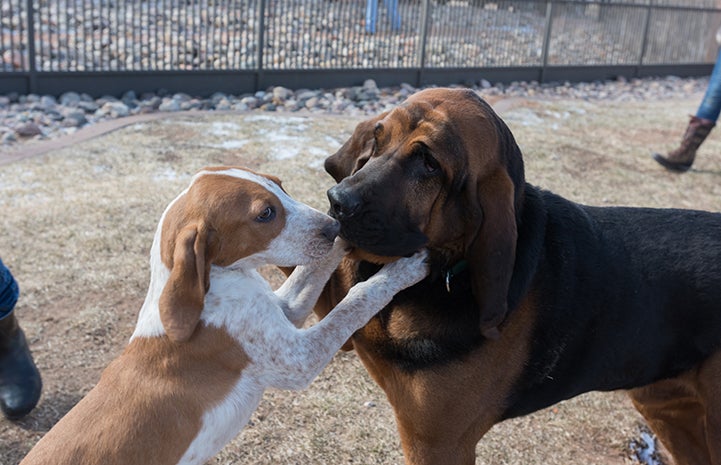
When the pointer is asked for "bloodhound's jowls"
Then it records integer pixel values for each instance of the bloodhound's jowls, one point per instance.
(532, 298)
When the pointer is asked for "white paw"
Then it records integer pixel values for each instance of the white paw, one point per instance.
(341, 244)
(407, 271)
(339, 250)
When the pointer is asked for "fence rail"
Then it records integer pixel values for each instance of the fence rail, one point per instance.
(238, 46)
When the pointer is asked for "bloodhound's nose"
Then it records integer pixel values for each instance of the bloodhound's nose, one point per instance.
(343, 203)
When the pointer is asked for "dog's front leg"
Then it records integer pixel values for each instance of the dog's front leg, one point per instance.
(308, 351)
(301, 290)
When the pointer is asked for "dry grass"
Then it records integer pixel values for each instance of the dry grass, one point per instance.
(78, 223)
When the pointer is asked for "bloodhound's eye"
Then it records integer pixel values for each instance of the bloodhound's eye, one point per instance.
(362, 161)
(377, 130)
(376, 134)
(430, 164)
(267, 215)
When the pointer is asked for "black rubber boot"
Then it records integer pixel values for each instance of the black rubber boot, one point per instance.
(20, 383)
(682, 158)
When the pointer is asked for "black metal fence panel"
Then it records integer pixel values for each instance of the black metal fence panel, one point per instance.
(682, 36)
(136, 35)
(596, 34)
(14, 35)
(341, 34)
(486, 34)
(279, 41)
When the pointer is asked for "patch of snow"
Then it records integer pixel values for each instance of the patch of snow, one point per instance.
(227, 130)
(276, 120)
(317, 152)
(525, 117)
(167, 174)
(99, 169)
(334, 141)
(317, 164)
(224, 128)
(230, 144)
(289, 141)
(558, 114)
(284, 152)
(644, 449)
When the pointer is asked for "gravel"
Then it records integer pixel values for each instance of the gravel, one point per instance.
(37, 117)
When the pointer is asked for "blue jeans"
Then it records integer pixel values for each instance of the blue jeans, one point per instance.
(711, 104)
(372, 14)
(8, 291)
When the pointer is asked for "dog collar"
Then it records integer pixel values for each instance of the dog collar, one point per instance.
(453, 272)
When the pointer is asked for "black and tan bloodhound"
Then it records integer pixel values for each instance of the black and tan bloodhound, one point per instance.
(532, 298)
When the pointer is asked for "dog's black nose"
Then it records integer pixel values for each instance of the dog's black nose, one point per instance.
(331, 230)
(343, 202)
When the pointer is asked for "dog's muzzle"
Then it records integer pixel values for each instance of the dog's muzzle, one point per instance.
(371, 228)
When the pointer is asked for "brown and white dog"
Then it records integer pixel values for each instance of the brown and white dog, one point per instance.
(212, 335)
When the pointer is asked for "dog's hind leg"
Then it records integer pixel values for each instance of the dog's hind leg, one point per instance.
(685, 413)
(710, 386)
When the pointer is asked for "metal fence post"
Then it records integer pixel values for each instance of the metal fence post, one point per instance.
(261, 45)
(546, 40)
(421, 59)
(644, 40)
(33, 71)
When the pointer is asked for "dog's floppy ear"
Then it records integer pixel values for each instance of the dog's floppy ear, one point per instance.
(355, 151)
(183, 296)
(494, 197)
(491, 247)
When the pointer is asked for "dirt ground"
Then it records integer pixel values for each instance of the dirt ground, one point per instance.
(78, 224)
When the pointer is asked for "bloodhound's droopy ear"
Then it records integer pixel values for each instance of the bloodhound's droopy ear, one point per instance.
(355, 152)
(183, 296)
(494, 200)
(491, 251)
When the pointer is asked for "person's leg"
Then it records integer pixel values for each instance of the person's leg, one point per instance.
(20, 383)
(684, 155)
(394, 15)
(9, 291)
(371, 15)
(710, 106)
(698, 128)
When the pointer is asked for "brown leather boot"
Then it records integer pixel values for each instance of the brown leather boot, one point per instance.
(682, 158)
(20, 382)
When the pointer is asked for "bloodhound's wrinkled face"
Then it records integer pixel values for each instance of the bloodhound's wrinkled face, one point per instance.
(398, 179)
(440, 171)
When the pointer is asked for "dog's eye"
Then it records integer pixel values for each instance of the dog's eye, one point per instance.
(423, 152)
(361, 163)
(377, 130)
(267, 215)
(431, 165)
